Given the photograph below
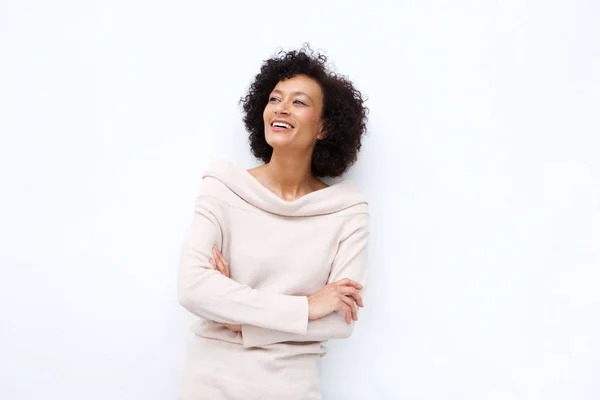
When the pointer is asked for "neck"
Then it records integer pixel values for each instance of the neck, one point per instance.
(289, 176)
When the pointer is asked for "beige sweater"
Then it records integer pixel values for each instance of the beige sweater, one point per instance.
(279, 253)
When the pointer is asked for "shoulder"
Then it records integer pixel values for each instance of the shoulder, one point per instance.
(356, 222)
(356, 217)
(215, 176)
(353, 198)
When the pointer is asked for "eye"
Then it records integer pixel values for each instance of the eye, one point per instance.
(300, 102)
(273, 98)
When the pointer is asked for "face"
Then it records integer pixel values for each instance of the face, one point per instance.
(293, 114)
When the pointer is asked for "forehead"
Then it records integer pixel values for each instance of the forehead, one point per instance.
(300, 83)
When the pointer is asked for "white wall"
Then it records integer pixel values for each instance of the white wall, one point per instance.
(481, 167)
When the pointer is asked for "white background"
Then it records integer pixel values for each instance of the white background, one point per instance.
(481, 166)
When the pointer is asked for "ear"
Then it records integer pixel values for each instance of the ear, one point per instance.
(322, 134)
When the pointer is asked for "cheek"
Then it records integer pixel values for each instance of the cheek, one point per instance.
(308, 116)
(266, 112)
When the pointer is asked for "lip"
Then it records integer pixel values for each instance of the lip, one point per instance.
(281, 120)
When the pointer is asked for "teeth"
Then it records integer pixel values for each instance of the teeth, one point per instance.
(282, 125)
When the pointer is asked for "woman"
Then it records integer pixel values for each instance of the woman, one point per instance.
(275, 259)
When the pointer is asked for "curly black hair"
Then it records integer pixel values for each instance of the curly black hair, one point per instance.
(344, 114)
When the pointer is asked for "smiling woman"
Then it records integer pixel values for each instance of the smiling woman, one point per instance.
(294, 108)
(325, 96)
(275, 259)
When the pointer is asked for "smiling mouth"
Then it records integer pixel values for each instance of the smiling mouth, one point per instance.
(281, 125)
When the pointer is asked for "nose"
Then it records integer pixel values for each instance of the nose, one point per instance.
(282, 108)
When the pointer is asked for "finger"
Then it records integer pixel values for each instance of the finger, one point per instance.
(351, 291)
(217, 253)
(221, 263)
(222, 269)
(217, 261)
(224, 263)
(347, 306)
(349, 282)
(342, 306)
(222, 259)
(225, 267)
(357, 298)
(350, 303)
(216, 267)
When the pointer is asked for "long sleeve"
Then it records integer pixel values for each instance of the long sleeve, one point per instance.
(208, 294)
(350, 262)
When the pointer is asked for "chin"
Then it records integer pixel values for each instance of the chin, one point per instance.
(278, 139)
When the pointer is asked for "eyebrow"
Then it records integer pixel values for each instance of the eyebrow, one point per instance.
(293, 93)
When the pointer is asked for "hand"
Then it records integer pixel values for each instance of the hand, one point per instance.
(233, 327)
(222, 266)
(218, 262)
(341, 295)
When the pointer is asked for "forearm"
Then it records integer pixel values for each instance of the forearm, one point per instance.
(351, 263)
(208, 294)
(332, 326)
(220, 299)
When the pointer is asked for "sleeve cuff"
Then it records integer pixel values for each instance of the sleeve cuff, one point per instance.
(294, 322)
